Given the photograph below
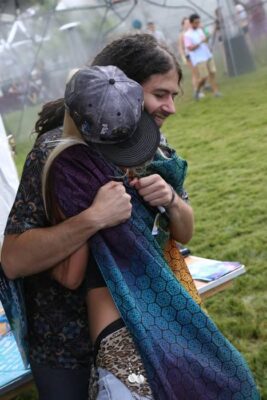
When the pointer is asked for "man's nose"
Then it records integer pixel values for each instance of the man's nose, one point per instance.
(169, 106)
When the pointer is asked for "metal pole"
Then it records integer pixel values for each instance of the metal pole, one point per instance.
(226, 32)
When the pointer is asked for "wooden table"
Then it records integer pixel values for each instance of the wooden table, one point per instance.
(16, 388)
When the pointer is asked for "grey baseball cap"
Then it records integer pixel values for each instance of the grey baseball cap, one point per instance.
(107, 108)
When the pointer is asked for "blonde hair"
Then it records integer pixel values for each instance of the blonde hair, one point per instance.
(70, 137)
(71, 73)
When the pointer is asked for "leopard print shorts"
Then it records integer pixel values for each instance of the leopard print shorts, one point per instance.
(118, 355)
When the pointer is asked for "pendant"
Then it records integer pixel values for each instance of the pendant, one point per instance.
(132, 378)
(140, 379)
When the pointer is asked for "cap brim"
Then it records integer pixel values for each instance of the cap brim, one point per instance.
(136, 150)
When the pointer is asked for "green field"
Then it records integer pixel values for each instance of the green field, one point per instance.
(224, 140)
(225, 143)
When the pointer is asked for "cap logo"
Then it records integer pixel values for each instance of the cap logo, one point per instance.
(86, 126)
(104, 129)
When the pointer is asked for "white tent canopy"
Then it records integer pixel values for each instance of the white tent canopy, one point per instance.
(8, 180)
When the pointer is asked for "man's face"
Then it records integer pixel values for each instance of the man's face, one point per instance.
(196, 23)
(186, 24)
(151, 27)
(159, 94)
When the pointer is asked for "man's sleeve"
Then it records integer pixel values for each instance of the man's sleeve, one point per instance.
(28, 210)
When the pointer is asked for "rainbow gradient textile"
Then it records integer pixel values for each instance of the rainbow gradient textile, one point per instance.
(185, 355)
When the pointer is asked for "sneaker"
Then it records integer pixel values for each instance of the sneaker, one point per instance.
(207, 87)
(201, 95)
(196, 96)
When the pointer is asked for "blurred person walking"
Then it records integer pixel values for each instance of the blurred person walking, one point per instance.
(257, 18)
(184, 53)
(158, 34)
(242, 19)
(200, 56)
(218, 35)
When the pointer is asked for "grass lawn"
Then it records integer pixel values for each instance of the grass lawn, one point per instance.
(224, 141)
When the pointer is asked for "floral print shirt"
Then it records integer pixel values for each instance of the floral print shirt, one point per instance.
(57, 319)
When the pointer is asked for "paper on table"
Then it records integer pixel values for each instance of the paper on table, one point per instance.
(208, 270)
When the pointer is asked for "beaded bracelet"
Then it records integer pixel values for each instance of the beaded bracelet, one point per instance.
(172, 199)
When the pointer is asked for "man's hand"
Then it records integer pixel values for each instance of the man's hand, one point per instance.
(154, 190)
(112, 205)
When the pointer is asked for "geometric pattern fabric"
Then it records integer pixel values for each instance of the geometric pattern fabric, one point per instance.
(185, 355)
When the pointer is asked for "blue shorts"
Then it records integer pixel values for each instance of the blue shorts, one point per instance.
(111, 388)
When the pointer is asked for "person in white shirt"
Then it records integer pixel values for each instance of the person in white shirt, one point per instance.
(158, 35)
(184, 53)
(200, 56)
(242, 17)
